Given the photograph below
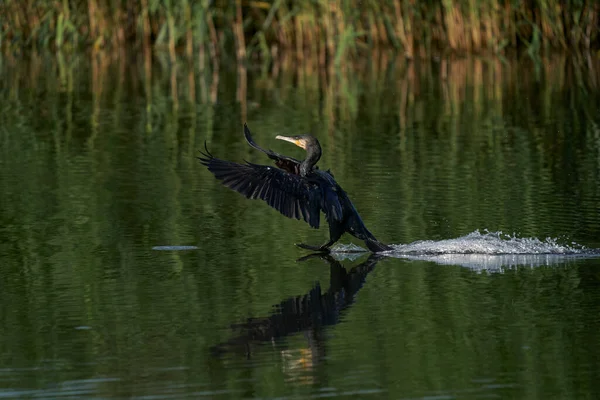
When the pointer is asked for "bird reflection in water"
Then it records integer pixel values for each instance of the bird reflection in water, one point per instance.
(308, 314)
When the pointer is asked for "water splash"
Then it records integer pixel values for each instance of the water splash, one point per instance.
(491, 251)
(347, 252)
(491, 243)
(347, 248)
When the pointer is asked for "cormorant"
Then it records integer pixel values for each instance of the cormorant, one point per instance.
(297, 189)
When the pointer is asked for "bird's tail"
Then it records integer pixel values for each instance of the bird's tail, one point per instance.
(358, 229)
(376, 246)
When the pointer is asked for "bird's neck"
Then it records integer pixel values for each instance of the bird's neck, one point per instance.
(313, 154)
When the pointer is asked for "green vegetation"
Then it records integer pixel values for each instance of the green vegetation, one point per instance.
(324, 29)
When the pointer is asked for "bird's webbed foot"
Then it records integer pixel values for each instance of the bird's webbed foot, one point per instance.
(320, 249)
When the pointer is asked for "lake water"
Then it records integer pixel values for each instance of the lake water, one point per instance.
(128, 271)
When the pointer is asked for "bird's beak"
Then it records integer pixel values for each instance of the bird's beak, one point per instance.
(299, 143)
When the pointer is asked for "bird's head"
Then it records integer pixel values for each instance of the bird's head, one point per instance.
(312, 147)
(304, 141)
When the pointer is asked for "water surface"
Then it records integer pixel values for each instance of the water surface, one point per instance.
(128, 271)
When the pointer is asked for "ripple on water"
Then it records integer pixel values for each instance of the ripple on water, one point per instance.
(174, 248)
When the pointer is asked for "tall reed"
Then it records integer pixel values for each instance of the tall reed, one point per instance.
(327, 29)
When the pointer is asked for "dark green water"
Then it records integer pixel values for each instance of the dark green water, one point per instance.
(97, 168)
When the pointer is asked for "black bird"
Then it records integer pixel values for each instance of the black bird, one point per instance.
(297, 189)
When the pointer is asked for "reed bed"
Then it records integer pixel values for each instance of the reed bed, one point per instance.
(328, 30)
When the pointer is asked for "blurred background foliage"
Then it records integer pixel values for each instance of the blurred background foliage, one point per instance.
(330, 31)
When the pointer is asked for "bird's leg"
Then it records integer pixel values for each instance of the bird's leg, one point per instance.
(335, 232)
(324, 248)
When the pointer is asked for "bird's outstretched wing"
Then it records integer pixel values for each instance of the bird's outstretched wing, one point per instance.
(289, 194)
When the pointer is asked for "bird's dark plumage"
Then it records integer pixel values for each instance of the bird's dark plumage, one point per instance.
(297, 189)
